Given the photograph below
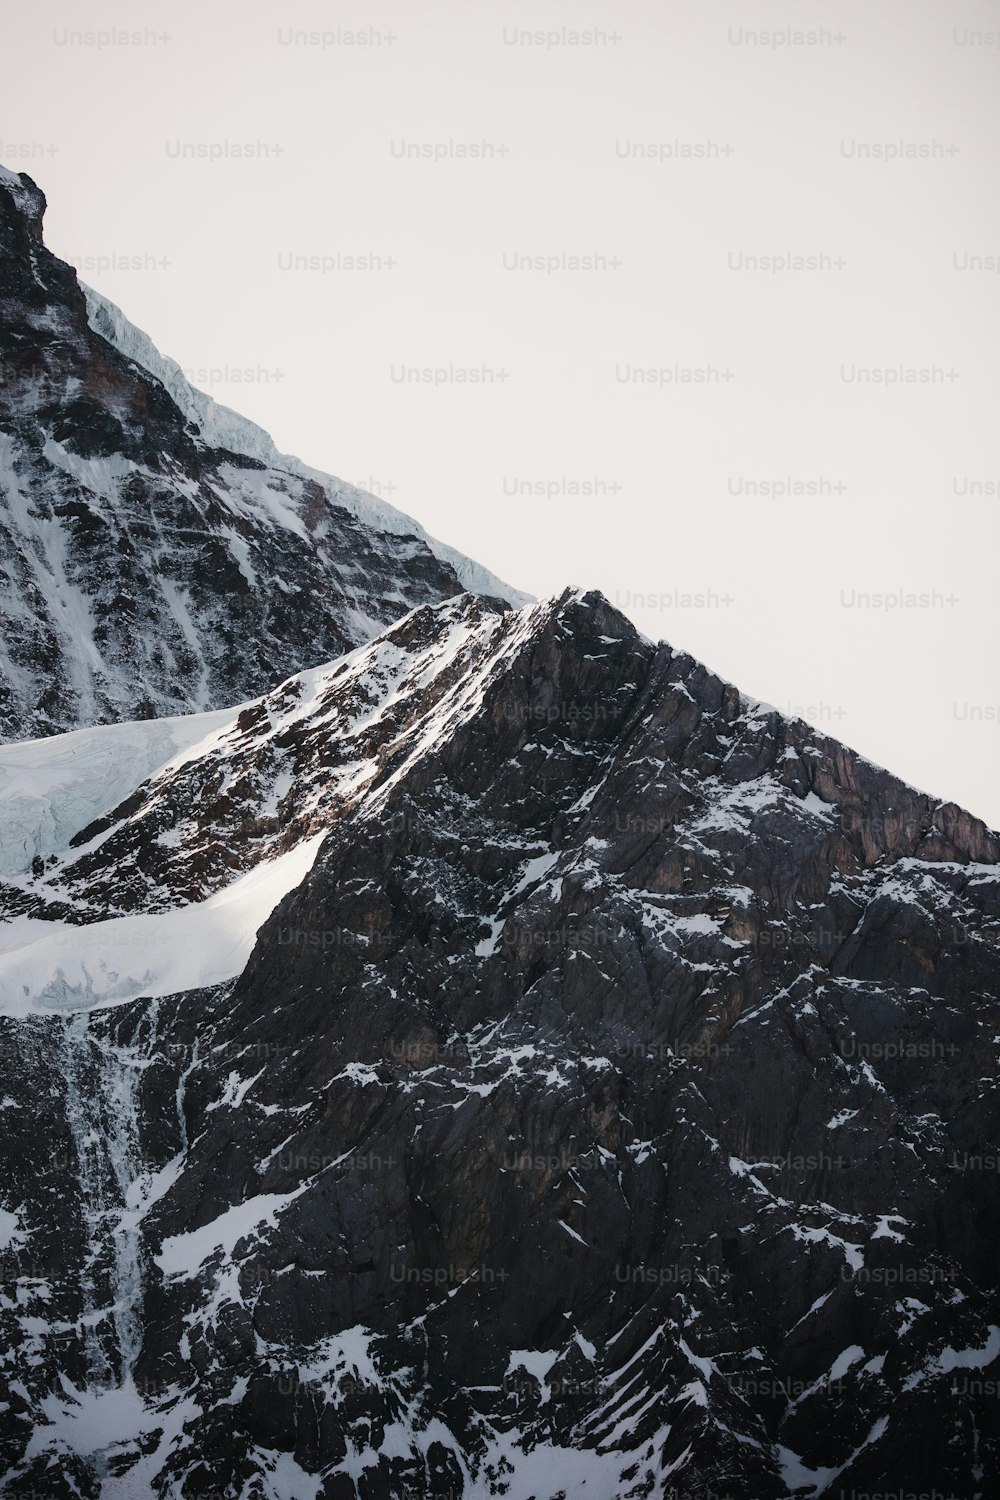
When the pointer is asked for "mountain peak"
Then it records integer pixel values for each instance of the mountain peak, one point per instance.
(506, 1031)
(23, 192)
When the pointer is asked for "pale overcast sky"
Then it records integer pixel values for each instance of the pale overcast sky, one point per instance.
(584, 218)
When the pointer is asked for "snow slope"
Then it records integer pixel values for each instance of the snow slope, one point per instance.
(221, 427)
(58, 966)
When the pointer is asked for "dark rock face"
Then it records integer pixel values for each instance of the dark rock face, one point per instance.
(144, 571)
(611, 1111)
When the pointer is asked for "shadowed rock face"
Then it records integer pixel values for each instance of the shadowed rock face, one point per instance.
(609, 1112)
(144, 571)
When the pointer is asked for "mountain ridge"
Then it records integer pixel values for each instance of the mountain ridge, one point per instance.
(227, 429)
(601, 1104)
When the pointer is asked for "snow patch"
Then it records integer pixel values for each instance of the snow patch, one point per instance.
(191, 947)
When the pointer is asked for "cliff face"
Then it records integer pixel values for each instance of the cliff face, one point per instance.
(157, 555)
(606, 1106)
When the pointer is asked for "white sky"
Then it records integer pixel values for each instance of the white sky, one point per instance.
(102, 129)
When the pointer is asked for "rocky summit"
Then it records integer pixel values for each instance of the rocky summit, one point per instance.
(503, 1061)
(158, 555)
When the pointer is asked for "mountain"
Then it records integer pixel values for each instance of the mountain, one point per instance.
(158, 556)
(503, 1061)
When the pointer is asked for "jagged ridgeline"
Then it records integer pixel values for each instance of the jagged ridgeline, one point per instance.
(493, 1058)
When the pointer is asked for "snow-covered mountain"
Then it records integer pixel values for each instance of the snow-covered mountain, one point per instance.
(502, 1061)
(158, 556)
